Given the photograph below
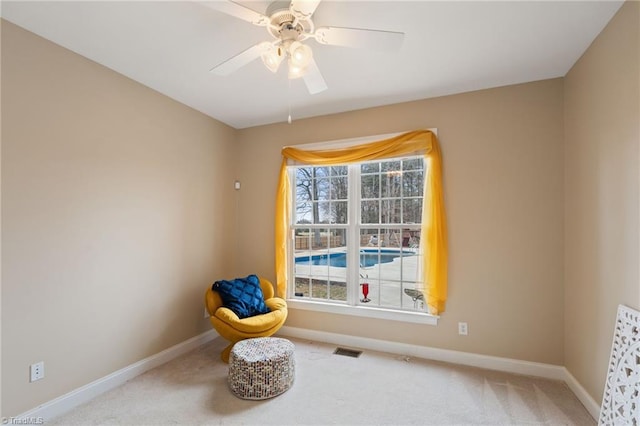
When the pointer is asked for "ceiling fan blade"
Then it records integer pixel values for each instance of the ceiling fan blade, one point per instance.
(238, 11)
(354, 37)
(240, 60)
(303, 9)
(313, 79)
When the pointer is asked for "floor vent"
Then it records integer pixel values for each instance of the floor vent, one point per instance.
(347, 352)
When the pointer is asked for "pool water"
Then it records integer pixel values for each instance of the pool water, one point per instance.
(368, 257)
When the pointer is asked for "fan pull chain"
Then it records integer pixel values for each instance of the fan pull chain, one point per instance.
(289, 99)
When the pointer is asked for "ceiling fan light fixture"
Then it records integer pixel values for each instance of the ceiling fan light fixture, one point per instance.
(271, 57)
(300, 54)
(295, 71)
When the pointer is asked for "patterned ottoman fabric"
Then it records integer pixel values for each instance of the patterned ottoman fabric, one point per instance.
(261, 368)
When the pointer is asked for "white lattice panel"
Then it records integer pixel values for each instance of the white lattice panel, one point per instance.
(621, 400)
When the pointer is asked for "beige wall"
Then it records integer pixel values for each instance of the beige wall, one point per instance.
(0, 217)
(602, 120)
(112, 224)
(503, 177)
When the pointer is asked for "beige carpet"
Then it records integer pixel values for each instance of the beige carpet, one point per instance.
(375, 388)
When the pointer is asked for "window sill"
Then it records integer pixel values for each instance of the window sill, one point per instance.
(362, 311)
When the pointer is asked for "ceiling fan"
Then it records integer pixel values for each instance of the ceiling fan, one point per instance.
(290, 24)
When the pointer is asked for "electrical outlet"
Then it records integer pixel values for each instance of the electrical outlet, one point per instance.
(206, 313)
(37, 371)
(463, 329)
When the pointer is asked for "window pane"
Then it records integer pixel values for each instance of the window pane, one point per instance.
(369, 238)
(411, 239)
(412, 184)
(339, 170)
(370, 168)
(406, 237)
(303, 284)
(304, 190)
(370, 212)
(339, 238)
(390, 293)
(321, 190)
(303, 193)
(302, 238)
(412, 210)
(320, 240)
(390, 211)
(391, 184)
(311, 214)
(388, 166)
(413, 297)
(370, 186)
(304, 173)
(324, 212)
(339, 188)
(339, 212)
(392, 238)
(319, 289)
(412, 164)
(304, 213)
(321, 172)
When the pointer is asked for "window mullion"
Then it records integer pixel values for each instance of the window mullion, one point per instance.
(353, 242)
(291, 246)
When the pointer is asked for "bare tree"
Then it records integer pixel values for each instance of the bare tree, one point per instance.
(391, 193)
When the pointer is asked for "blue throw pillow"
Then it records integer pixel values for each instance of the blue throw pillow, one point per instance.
(242, 295)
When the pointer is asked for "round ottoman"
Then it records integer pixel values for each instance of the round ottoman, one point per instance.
(261, 368)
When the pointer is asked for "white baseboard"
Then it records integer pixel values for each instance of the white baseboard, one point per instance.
(67, 402)
(537, 369)
(581, 393)
(76, 397)
(455, 357)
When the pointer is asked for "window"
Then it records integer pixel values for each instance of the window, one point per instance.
(356, 233)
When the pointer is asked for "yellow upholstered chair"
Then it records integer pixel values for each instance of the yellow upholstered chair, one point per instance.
(234, 329)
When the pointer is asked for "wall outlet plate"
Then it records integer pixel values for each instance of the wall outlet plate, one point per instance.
(37, 371)
(463, 328)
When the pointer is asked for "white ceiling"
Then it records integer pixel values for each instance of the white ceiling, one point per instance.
(449, 47)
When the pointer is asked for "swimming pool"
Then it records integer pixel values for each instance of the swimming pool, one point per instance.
(368, 257)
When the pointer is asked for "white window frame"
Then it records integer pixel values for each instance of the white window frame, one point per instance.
(350, 307)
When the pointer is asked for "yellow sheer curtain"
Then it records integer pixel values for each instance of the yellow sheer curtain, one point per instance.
(434, 225)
